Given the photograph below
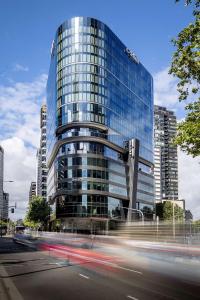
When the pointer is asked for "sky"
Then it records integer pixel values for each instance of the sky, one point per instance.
(27, 29)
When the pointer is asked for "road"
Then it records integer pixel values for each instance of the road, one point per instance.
(63, 272)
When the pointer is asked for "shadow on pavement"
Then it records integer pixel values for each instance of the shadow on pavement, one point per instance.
(7, 245)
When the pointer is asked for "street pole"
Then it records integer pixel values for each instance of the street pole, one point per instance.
(129, 218)
(136, 210)
(157, 223)
(133, 210)
(107, 226)
(174, 229)
(8, 181)
(1, 221)
(12, 207)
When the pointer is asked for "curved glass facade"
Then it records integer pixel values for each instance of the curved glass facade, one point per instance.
(96, 88)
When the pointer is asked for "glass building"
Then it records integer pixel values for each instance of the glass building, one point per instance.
(99, 126)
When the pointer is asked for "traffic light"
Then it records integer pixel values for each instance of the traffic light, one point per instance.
(12, 210)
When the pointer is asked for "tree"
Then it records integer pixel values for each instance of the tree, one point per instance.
(38, 212)
(188, 134)
(31, 224)
(165, 211)
(186, 66)
(197, 222)
(3, 223)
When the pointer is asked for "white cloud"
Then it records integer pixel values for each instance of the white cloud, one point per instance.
(20, 164)
(189, 188)
(18, 67)
(19, 113)
(165, 91)
(165, 94)
(19, 132)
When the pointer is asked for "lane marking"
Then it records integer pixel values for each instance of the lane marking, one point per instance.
(131, 297)
(11, 290)
(130, 270)
(84, 276)
(97, 261)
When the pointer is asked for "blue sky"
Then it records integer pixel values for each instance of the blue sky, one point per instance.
(27, 29)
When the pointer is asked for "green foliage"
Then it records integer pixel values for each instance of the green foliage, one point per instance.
(165, 211)
(179, 213)
(197, 222)
(3, 222)
(188, 134)
(12, 223)
(186, 59)
(187, 2)
(31, 224)
(38, 212)
(186, 66)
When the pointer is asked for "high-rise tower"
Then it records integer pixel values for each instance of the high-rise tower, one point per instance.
(41, 156)
(165, 155)
(99, 126)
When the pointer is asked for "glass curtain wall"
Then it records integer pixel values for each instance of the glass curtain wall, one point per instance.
(97, 90)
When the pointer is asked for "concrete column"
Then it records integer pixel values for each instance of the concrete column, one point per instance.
(133, 159)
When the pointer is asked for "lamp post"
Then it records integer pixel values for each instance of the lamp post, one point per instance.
(138, 211)
(1, 221)
(174, 228)
(8, 181)
(12, 206)
(134, 210)
(120, 217)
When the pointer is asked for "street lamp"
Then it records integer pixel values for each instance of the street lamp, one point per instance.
(13, 206)
(8, 181)
(174, 228)
(133, 210)
(136, 210)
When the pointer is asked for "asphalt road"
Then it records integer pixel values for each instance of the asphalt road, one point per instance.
(68, 273)
(7, 246)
